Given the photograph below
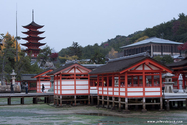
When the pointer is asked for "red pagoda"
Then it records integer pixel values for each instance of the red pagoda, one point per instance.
(33, 38)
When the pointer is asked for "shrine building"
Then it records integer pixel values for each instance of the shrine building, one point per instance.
(72, 80)
(156, 46)
(130, 80)
(32, 39)
(44, 79)
(179, 68)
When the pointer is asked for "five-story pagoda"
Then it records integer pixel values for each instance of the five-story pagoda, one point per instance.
(33, 38)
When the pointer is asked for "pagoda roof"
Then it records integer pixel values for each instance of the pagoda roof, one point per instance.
(152, 40)
(33, 49)
(33, 37)
(33, 32)
(33, 25)
(30, 43)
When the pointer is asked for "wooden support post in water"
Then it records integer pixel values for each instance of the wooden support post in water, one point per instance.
(88, 99)
(57, 101)
(178, 104)
(153, 101)
(186, 104)
(35, 101)
(113, 99)
(75, 99)
(136, 106)
(168, 105)
(181, 104)
(161, 104)
(54, 100)
(60, 100)
(126, 105)
(103, 105)
(98, 100)
(9, 100)
(22, 100)
(119, 99)
(92, 100)
(107, 102)
(144, 107)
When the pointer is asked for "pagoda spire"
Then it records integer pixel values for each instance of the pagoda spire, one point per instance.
(32, 15)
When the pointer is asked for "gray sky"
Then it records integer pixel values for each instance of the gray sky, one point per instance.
(86, 21)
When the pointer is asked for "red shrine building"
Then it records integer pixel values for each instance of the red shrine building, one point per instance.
(72, 79)
(179, 68)
(32, 39)
(43, 79)
(137, 76)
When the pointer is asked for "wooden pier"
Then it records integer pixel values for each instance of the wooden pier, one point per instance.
(175, 98)
(48, 97)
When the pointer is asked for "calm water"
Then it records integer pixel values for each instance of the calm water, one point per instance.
(49, 115)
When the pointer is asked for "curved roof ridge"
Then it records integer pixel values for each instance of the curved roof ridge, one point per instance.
(131, 56)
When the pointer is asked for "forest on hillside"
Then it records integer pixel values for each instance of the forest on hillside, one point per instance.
(175, 30)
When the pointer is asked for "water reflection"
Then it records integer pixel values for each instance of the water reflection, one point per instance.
(109, 120)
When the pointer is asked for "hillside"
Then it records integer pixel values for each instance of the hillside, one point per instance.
(175, 30)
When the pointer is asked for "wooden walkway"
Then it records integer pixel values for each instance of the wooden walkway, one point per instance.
(172, 98)
(48, 97)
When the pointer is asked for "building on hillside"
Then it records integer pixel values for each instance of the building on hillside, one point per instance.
(156, 46)
(43, 79)
(32, 39)
(130, 80)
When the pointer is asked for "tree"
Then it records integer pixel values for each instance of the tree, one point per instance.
(7, 55)
(166, 59)
(44, 55)
(75, 49)
(69, 57)
(98, 58)
(53, 56)
(112, 54)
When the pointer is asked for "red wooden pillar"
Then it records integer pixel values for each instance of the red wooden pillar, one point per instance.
(126, 84)
(60, 83)
(107, 83)
(102, 83)
(160, 83)
(143, 77)
(132, 80)
(74, 81)
(97, 82)
(57, 83)
(113, 84)
(152, 80)
(89, 84)
(119, 80)
(138, 80)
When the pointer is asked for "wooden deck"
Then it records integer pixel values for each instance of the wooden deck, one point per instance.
(48, 97)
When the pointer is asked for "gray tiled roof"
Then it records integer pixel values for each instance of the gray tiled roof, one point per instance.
(120, 64)
(28, 77)
(152, 40)
(180, 63)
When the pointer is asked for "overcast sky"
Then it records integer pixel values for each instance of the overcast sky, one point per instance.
(86, 21)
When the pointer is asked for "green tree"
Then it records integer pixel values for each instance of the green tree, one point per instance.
(44, 55)
(166, 59)
(98, 58)
(75, 50)
(7, 55)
